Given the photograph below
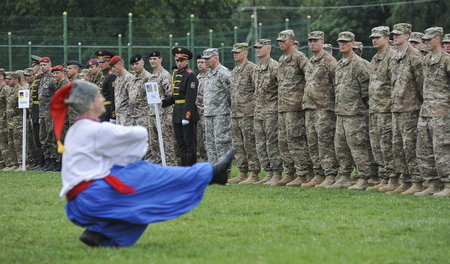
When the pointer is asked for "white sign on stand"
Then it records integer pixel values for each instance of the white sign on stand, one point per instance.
(152, 90)
(24, 103)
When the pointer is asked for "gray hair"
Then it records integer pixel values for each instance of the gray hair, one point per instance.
(82, 95)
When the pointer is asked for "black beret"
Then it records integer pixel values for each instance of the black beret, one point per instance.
(73, 62)
(135, 58)
(199, 57)
(154, 53)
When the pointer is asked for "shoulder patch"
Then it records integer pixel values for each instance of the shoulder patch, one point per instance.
(192, 84)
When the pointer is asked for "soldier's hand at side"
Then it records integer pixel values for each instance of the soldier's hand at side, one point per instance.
(185, 122)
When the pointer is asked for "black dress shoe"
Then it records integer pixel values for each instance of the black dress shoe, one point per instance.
(93, 239)
(220, 169)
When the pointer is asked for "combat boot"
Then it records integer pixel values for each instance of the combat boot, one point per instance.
(242, 176)
(415, 188)
(374, 180)
(382, 183)
(52, 166)
(360, 185)
(287, 179)
(445, 192)
(433, 187)
(298, 181)
(392, 185)
(275, 178)
(343, 182)
(269, 175)
(329, 180)
(318, 179)
(251, 179)
(220, 169)
(404, 186)
(7, 168)
(45, 166)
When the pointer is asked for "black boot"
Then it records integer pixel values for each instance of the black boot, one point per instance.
(220, 169)
(42, 167)
(93, 239)
(51, 166)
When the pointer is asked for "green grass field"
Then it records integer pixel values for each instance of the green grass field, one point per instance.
(235, 224)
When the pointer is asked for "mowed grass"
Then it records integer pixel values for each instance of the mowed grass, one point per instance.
(235, 224)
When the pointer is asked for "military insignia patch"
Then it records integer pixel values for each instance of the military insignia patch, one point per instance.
(179, 49)
(192, 84)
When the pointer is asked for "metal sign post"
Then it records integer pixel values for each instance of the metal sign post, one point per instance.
(152, 90)
(24, 103)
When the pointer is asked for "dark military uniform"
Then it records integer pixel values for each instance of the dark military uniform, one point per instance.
(35, 118)
(184, 96)
(105, 85)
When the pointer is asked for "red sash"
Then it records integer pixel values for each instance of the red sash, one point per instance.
(113, 181)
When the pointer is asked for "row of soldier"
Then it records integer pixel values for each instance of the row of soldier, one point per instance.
(313, 119)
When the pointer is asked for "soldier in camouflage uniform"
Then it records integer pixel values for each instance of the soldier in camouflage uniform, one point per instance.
(164, 80)
(446, 43)
(415, 39)
(217, 107)
(328, 48)
(203, 70)
(242, 111)
(95, 72)
(14, 122)
(358, 48)
(433, 141)
(320, 120)
(47, 88)
(291, 117)
(407, 82)
(266, 112)
(5, 90)
(121, 84)
(73, 70)
(380, 116)
(351, 106)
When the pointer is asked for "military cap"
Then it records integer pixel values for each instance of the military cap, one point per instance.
(239, 47)
(103, 55)
(58, 68)
(433, 32)
(358, 45)
(2, 70)
(296, 43)
(346, 36)
(21, 73)
(135, 58)
(28, 72)
(92, 62)
(14, 75)
(181, 53)
(285, 35)
(114, 60)
(154, 53)
(316, 35)
(8, 75)
(45, 59)
(381, 31)
(261, 42)
(402, 28)
(416, 37)
(327, 46)
(446, 38)
(35, 59)
(74, 62)
(199, 56)
(208, 53)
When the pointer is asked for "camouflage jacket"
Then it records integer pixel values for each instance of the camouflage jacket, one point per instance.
(291, 81)
(352, 86)
(200, 92)
(47, 88)
(242, 90)
(216, 98)
(319, 89)
(121, 85)
(436, 88)
(5, 91)
(407, 80)
(164, 80)
(138, 105)
(266, 88)
(12, 102)
(380, 86)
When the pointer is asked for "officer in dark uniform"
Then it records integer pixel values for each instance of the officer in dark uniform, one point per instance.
(106, 85)
(34, 91)
(185, 113)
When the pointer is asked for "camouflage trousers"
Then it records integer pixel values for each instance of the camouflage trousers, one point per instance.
(15, 140)
(121, 117)
(433, 148)
(243, 141)
(352, 146)
(320, 128)
(266, 136)
(170, 149)
(292, 143)
(217, 136)
(380, 131)
(4, 150)
(47, 137)
(404, 139)
(201, 150)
